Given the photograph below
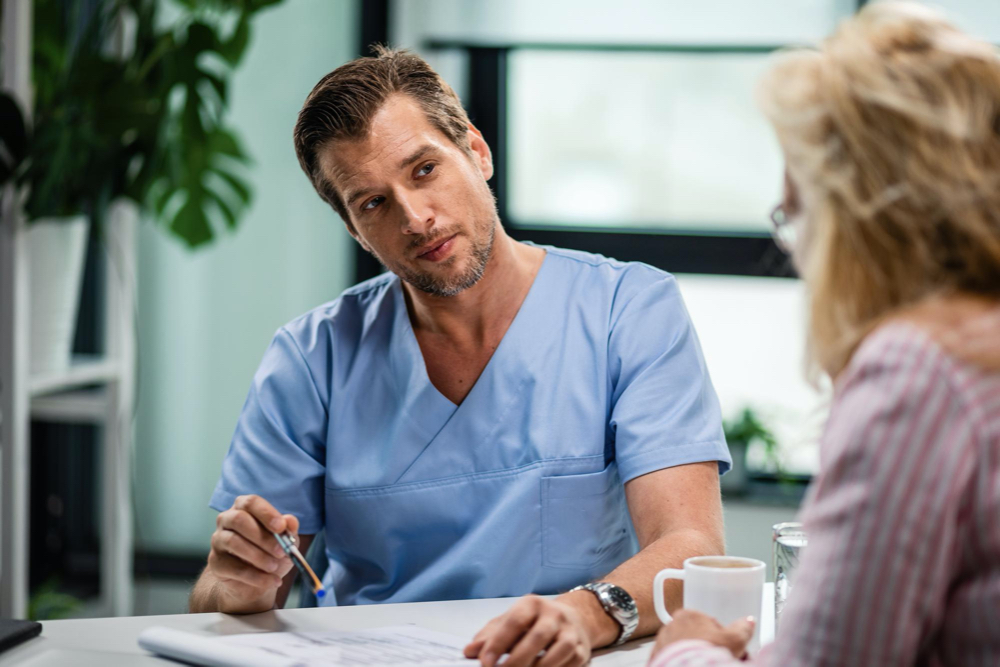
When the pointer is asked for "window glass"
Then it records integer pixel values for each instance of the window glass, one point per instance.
(624, 21)
(979, 17)
(641, 140)
(752, 332)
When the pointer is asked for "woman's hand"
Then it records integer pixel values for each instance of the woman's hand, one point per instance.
(688, 624)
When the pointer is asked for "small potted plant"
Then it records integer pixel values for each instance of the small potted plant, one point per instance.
(741, 433)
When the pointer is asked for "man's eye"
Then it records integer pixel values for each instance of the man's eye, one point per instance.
(372, 203)
(426, 169)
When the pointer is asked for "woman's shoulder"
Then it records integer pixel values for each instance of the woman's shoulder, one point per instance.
(894, 342)
(954, 348)
(964, 329)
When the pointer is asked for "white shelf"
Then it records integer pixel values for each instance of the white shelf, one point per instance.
(61, 396)
(73, 407)
(84, 370)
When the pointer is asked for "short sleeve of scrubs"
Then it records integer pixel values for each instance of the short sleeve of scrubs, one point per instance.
(664, 409)
(279, 448)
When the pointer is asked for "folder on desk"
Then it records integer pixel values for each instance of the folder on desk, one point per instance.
(393, 646)
(208, 651)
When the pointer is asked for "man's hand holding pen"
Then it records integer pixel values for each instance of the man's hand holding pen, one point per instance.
(248, 563)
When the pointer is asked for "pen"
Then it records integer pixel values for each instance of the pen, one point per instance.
(287, 543)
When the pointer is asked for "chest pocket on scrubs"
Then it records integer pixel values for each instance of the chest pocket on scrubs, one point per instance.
(584, 519)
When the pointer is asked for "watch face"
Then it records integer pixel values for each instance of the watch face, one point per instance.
(621, 599)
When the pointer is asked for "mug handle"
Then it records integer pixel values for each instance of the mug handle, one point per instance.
(658, 601)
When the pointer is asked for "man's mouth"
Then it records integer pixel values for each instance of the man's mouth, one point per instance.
(438, 250)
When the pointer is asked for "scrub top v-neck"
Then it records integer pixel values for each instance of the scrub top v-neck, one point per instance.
(599, 379)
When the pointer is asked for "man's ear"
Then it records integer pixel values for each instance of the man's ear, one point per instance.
(480, 152)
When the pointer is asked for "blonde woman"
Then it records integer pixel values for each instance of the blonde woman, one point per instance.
(891, 133)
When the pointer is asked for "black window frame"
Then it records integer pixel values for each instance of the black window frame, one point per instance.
(677, 250)
(674, 249)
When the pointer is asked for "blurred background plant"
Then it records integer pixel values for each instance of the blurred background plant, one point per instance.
(13, 136)
(47, 603)
(743, 432)
(129, 105)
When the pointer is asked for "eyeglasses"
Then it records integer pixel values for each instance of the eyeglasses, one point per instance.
(785, 228)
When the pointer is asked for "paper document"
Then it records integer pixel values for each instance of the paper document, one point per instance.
(381, 647)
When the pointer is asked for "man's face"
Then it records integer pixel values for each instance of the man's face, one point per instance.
(416, 200)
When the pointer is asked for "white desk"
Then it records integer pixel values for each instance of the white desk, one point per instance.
(110, 642)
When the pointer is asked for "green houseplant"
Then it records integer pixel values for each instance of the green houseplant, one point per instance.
(13, 137)
(128, 107)
(742, 432)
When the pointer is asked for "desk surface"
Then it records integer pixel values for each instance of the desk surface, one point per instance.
(110, 642)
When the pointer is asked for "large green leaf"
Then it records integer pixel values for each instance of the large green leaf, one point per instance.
(225, 208)
(257, 5)
(236, 184)
(224, 142)
(191, 224)
(218, 84)
(234, 48)
(13, 137)
(151, 127)
(201, 38)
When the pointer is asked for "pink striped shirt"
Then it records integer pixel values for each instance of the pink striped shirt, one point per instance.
(903, 563)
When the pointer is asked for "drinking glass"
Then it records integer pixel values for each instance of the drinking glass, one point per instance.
(789, 540)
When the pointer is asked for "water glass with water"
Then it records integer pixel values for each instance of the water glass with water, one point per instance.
(789, 541)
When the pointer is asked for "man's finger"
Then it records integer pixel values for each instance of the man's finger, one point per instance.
(472, 649)
(237, 545)
(581, 656)
(486, 632)
(538, 638)
(263, 511)
(231, 568)
(291, 524)
(244, 523)
(509, 629)
(560, 651)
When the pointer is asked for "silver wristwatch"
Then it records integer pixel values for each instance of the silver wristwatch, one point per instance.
(618, 604)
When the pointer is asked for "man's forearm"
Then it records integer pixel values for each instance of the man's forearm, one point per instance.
(636, 576)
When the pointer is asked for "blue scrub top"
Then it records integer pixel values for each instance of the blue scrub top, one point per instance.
(599, 379)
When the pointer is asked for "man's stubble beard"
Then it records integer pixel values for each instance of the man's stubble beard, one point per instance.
(482, 250)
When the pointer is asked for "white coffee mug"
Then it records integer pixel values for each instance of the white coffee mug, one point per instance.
(726, 588)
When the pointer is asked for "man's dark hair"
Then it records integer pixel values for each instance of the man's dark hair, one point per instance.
(343, 103)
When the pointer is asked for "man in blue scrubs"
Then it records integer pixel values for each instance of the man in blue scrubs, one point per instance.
(488, 418)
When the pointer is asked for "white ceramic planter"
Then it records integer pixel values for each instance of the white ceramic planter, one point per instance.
(57, 248)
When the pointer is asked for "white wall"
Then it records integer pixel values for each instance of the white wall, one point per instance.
(753, 333)
(207, 316)
(749, 528)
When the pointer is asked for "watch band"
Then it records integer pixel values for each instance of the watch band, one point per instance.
(617, 604)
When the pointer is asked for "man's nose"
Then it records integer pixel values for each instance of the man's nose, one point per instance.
(418, 215)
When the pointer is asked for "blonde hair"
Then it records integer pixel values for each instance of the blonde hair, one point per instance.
(891, 130)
